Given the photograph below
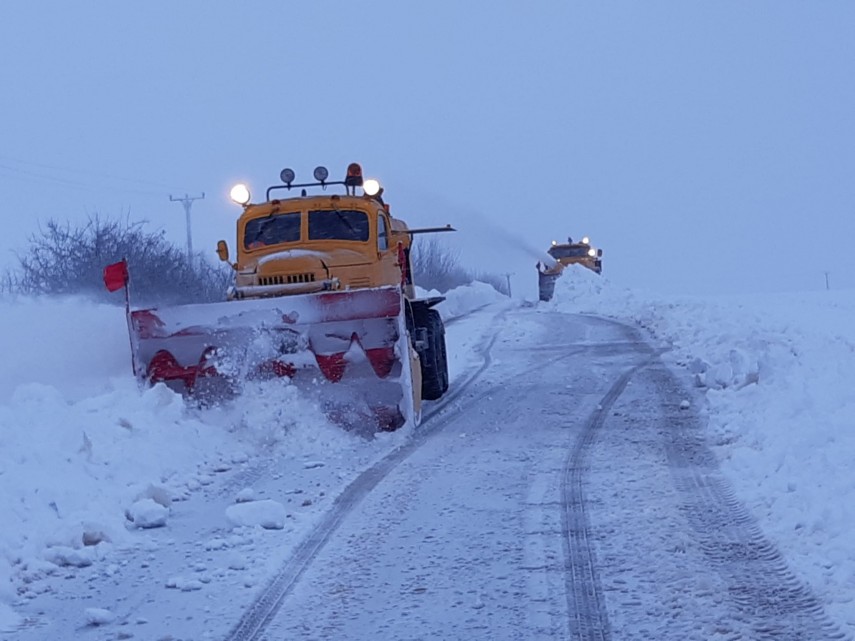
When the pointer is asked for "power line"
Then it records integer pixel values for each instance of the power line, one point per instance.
(25, 167)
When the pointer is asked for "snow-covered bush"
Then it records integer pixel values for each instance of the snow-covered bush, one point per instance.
(63, 259)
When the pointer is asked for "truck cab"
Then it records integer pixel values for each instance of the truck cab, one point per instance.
(582, 253)
(305, 244)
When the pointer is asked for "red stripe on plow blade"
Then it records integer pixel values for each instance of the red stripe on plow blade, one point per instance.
(332, 365)
(382, 359)
(147, 323)
(163, 367)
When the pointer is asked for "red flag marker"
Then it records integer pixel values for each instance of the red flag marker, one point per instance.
(116, 275)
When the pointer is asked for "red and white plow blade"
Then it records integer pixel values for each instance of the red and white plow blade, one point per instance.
(349, 349)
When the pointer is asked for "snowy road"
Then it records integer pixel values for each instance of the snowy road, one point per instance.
(563, 491)
(556, 504)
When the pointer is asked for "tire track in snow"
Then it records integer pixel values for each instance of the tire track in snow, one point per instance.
(588, 619)
(260, 613)
(263, 609)
(772, 601)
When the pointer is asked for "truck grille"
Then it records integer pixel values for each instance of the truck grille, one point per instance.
(360, 282)
(287, 279)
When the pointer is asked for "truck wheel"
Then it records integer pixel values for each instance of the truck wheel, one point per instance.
(442, 360)
(433, 359)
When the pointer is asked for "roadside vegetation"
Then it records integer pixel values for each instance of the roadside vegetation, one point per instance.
(437, 266)
(63, 259)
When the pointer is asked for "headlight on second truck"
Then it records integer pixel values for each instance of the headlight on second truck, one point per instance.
(592, 252)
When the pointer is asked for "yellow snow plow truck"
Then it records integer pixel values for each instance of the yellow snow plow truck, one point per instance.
(323, 295)
(563, 254)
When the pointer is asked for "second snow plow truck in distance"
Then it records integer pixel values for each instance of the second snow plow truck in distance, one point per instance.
(564, 254)
(323, 295)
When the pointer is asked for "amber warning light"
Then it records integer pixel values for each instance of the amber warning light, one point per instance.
(354, 175)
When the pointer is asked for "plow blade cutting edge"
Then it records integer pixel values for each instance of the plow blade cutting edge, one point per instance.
(349, 350)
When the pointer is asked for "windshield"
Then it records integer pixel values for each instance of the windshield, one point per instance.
(338, 224)
(272, 230)
(568, 252)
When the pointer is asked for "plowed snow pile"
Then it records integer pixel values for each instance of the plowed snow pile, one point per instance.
(87, 458)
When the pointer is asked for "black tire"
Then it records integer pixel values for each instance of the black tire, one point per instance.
(434, 360)
(441, 357)
(444, 364)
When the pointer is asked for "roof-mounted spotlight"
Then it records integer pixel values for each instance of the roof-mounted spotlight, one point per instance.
(554, 242)
(287, 176)
(585, 240)
(371, 187)
(321, 173)
(240, 194)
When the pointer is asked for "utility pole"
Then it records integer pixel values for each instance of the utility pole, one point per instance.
(827, 286)
(187, 201)
(508, 276)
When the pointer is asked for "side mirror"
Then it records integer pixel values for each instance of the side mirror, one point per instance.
(599, 251)
(223, 251)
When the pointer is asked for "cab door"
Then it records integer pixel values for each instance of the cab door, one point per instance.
(386, 251)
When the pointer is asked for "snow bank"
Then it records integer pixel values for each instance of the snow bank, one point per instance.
(70, 343)
(462, 300)
(73, 470)
(87, 457)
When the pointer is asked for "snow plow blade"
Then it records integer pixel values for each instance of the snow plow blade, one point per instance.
(546, 285)
(349, 350)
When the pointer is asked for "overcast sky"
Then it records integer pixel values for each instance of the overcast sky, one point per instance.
(706, 147)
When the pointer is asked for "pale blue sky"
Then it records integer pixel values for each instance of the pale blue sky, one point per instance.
(705, 146)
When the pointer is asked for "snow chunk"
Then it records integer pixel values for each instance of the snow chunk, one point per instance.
(66, 556)
(246, 495)
(93, 535)
(216, 544)
(237, 562)
(267, 513)
(147, 513)
(158, 494)
(99, 616)
(183, 584)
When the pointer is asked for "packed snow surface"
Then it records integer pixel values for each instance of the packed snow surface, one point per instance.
(89, 462)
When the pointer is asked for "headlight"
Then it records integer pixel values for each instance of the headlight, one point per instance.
(371, 187)
(592, 252)
(240, 194)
